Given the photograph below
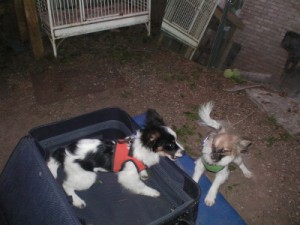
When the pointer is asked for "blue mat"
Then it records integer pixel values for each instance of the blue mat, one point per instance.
(221, 213)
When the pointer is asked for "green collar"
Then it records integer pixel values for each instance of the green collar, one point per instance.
(211, 167)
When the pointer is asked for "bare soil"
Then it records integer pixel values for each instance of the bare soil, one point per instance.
(127, 69)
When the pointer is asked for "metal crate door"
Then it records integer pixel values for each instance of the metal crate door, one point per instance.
(186, 20)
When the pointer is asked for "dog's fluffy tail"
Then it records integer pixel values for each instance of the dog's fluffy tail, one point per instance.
(55, 160)
(204, 114)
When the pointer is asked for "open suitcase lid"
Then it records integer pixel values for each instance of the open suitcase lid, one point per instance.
(28, 194)
(40, 199)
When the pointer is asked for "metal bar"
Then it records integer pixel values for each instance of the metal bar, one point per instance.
(220, 33)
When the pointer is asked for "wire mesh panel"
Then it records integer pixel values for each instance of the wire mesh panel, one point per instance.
(65, 18)
(202, 18)
(181, 13)
(65, 12)
(187, 20)
(94, 9)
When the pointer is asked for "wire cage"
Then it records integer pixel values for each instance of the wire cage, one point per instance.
(65, 18)
(186, 20)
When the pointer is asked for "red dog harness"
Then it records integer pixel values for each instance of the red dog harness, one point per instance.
(122, 155)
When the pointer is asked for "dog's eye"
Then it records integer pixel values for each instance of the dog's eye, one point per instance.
(170, 146)
(218, 151)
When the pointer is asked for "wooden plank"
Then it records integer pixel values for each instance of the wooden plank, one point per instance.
(21, 20)
(33, 28)
(230, 17)
(157, 12)
(226, 46)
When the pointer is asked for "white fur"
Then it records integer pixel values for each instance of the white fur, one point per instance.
(222, 175)
(149, 158)
(204, 114)
(130, 179)
(53, 166)
(79, 179)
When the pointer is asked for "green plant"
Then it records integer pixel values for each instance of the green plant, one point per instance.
(271, 141)
(126, 94)
(191, 115)
(231, 167)
(271, 120)
(286, 136)
(230, 187)
(173, 77)
(184, 130)
(192, 84)
(122, 55)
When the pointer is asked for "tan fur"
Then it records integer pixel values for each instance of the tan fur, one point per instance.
(220, 148)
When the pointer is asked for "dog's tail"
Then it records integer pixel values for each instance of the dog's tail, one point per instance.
(56, 159)
(204, 114)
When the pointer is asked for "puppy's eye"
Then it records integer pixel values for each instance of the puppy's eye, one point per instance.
(170, 146)
(223, 151)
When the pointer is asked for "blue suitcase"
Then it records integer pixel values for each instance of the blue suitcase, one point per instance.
(29, 195)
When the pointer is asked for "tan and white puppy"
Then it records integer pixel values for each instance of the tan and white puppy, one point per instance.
(220, 148)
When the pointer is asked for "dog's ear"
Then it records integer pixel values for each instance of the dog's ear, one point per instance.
(153, 118)
(150, 136)
(153, 135)
(243, 145)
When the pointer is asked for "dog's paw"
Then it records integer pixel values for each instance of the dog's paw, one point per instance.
(79, 203)
(152, 193)
(248, 174)
(209, 201)
(144, 175)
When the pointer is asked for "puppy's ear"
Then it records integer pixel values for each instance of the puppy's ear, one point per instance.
(243, 145)
(153, 118)
(153, 135)
(150, 136)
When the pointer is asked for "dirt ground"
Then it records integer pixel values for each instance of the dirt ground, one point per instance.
(126, 69)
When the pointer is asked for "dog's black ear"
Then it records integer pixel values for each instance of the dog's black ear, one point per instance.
(153, 135)
(150, 135)
(243, 145)
(153, 118)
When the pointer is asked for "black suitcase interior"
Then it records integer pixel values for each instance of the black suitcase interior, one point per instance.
(29, 195)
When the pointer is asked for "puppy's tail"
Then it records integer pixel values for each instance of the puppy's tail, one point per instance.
(56, 159)
(204, 114)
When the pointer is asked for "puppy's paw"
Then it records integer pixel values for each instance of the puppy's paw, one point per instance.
(79, 203)
(248, 174)
(144, 175)
(209, 201)
(152, 193)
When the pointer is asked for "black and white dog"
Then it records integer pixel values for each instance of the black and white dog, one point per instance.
(129, 158)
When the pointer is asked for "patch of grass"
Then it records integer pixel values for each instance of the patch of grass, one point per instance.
(271, 120)
(271, 141)
(64, 56)
(122, 55)
(188, 150)
(173, 77)
(191, 115)
(196, 73)
(231, 167)
(231, 187)
(192, 84)
(125, 55)
(183, 132)
(126, 94)
(286, 137)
